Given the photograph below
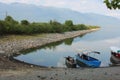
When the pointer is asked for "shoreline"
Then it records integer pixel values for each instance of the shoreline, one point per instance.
(12, 45)
(112, 73)
(9, 47)
(15, 70)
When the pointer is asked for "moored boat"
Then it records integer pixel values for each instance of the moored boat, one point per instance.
(70, 62)
(84, 60)
(115, 51)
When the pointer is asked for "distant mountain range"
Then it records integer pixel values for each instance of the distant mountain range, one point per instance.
(32, 13)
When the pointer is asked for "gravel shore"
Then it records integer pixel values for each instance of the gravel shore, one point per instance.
(14, 70)
(112, 73)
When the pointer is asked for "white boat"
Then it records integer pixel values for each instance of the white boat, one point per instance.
(115, 51)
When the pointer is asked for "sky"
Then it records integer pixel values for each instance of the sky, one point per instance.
(85, 6)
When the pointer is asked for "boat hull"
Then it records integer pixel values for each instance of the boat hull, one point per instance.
(87, 63)
(115, 51)
(70, 63)
(114, 59)
(81, 64)
(117, 55)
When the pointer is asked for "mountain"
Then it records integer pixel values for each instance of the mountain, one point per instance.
(33, 13)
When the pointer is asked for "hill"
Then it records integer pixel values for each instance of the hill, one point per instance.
(33, 13)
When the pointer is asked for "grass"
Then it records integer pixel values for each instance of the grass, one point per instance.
(20, 37)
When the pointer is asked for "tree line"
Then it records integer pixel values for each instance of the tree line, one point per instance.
(11, 26)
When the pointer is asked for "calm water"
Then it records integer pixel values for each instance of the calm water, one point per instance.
(53, 54)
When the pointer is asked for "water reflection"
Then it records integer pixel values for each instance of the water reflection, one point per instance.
(68, 41)
(51, 46)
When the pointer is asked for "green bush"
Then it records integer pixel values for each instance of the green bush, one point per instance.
(11, 26)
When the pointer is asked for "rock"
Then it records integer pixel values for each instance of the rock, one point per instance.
(51, 78)
(4, 56)
(43, 78)
(2, 52)
(117, 74)
(31, 66)
(65, 73)
(105, 73)
(56, 74)
(38, 76)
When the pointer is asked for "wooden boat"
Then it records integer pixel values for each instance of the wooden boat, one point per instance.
(84, 60)
(115, 51)
(70, 62)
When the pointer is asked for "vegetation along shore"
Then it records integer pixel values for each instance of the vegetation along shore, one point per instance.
(16, 37)
(11, 26)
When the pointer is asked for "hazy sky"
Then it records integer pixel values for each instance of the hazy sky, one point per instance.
(91, 6)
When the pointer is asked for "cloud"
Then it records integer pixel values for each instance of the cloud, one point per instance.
(89, 6)
(21, 1)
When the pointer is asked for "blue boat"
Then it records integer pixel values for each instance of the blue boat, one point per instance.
(84, 60)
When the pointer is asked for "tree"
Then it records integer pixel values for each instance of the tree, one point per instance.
(54, 22)
(112, 4)
(9, 19)
(2, 27)
(25, 22)
(68, 23)
(81, 27)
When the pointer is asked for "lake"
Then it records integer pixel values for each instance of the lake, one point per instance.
(53, 54)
